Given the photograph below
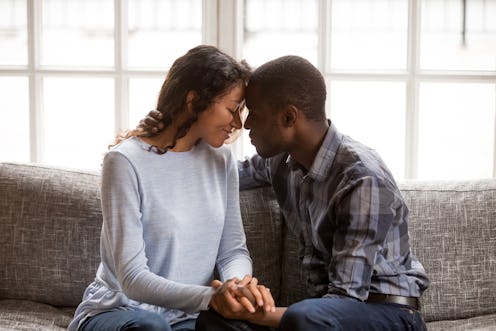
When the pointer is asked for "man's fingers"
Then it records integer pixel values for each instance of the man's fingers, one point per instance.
(246, 304)
(253, 287)
(152, 123)
(269, 303)
(245, 292)
(246, 280)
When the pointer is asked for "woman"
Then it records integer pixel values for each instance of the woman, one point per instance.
(170, 205)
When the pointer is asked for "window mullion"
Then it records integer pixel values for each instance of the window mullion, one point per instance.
(210, 24)
(494, 139)
(412, 93)
(323, 52)
(324, 48)
(230, 26)
(36, 137)
(121, 112)
(230, 39)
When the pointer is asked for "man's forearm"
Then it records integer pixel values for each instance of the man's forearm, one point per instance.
(253, 172)
(267, 318)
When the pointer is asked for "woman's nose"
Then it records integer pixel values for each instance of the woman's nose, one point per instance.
(236, 122)
(247, 122)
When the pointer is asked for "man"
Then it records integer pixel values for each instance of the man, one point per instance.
(342, 203)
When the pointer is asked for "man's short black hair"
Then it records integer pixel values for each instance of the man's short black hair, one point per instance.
(292, 80)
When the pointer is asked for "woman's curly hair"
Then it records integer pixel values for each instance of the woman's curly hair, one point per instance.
(205, 70)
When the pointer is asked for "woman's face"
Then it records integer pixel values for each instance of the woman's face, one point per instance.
(219, 121)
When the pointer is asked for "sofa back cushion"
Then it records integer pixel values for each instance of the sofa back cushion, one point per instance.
(453, 234)
(263, 227)
(50, 222)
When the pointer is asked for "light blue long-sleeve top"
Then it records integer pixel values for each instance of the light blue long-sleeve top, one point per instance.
(168, 221)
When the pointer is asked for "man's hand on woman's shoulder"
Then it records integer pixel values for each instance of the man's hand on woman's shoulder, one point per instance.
(152, 123)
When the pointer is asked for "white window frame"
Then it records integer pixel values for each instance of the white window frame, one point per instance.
(121, 74)
(412, 76)
(223, 27)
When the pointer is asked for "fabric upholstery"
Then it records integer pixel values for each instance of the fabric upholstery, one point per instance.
(263, 226)
(50, 222)
(28, 315)
(453, 233)
(49, 240)
(479, 323)
(293, 284)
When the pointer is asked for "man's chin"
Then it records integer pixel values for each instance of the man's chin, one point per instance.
(263, 153)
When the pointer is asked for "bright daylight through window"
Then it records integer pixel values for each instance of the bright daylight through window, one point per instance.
(415, 80)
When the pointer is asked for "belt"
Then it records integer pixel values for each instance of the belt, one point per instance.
(388, 298)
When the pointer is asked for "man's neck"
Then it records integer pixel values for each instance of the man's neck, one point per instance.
(308, 142)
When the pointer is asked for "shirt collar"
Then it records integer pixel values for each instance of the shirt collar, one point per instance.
(325, 156)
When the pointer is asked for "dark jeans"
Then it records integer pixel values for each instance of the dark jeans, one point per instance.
(212, 321)
(133, 320)
(328, 314)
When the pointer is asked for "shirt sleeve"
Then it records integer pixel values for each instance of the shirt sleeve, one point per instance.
(363, 217)
(124, 247)
(254, 172)
(233, 258)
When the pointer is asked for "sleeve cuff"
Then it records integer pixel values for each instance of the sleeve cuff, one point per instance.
(205, 304)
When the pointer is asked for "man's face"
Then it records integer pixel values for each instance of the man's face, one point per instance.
(263, 123)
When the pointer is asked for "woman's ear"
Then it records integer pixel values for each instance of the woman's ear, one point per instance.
(290, 115)
(192, 95)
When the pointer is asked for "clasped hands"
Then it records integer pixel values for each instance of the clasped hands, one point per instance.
(238, 299)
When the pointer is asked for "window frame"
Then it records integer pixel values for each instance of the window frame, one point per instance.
(222, 26)
(412, 76)
(120, 73)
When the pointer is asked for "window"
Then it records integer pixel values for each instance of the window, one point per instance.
(75, 73)
(413, 79)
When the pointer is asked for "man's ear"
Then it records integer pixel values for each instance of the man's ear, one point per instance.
(290, 115)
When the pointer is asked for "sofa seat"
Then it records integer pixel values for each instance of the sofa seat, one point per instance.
(50, 222)
(33, 316)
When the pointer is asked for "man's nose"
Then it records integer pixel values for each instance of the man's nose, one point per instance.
(247, 122)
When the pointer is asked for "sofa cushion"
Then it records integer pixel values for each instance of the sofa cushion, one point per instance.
(50, 222)
(28, 315)
(479, 323)
(293, 284)
(453, 234)
(262, 222)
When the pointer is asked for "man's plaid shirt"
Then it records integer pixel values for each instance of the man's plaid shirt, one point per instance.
(349, 216)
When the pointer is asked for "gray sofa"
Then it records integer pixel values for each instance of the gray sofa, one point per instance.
(49, 247)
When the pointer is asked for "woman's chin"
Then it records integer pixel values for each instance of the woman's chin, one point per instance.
(216, 144)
